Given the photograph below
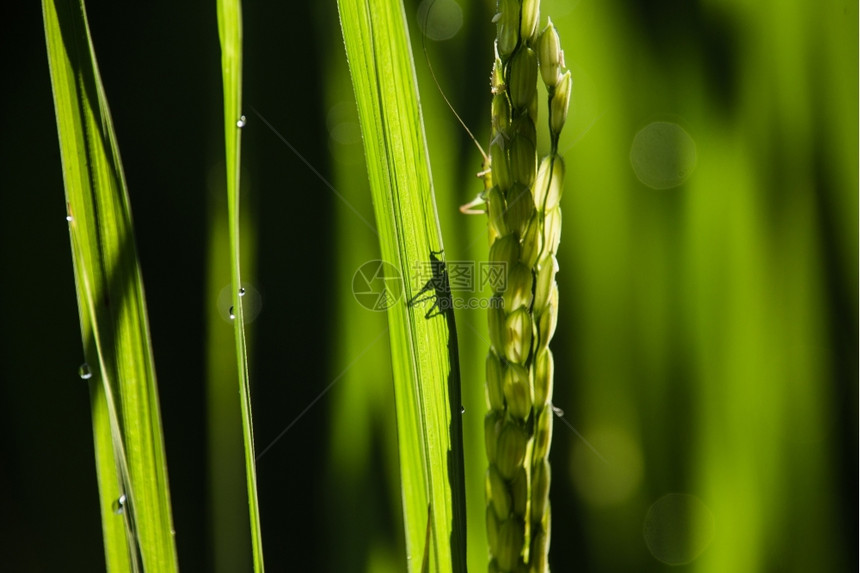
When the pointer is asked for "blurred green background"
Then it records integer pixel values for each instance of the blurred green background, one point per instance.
(706, 355)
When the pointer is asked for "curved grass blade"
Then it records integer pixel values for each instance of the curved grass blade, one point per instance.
(230, 34)
(130, 458)
(425, 370)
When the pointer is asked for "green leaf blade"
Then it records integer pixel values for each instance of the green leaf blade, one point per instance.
(383, 77)
(129, 444)
(230, 35)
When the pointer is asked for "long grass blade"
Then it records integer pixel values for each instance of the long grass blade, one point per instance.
(230, 34)
(425, 368)
(130, 458)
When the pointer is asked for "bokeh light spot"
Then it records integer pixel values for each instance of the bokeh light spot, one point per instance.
(342, 123)
(444, 20)
(678, 528)
(663, 155)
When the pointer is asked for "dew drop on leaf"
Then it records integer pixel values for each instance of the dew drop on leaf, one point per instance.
(85, 372)
(119, 505)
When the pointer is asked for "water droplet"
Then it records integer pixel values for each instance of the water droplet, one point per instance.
(69, 218)
(252, 302)
(119, 505)
(85, 372)
(558, 411)
(242, 121)
(462, 409)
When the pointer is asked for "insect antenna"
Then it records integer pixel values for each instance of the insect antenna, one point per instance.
(439, 87)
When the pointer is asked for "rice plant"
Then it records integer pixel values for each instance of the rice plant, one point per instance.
(704, 309)
(522, 201)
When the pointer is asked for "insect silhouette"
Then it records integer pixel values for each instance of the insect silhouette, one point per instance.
(438, 289)
(441, 292)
